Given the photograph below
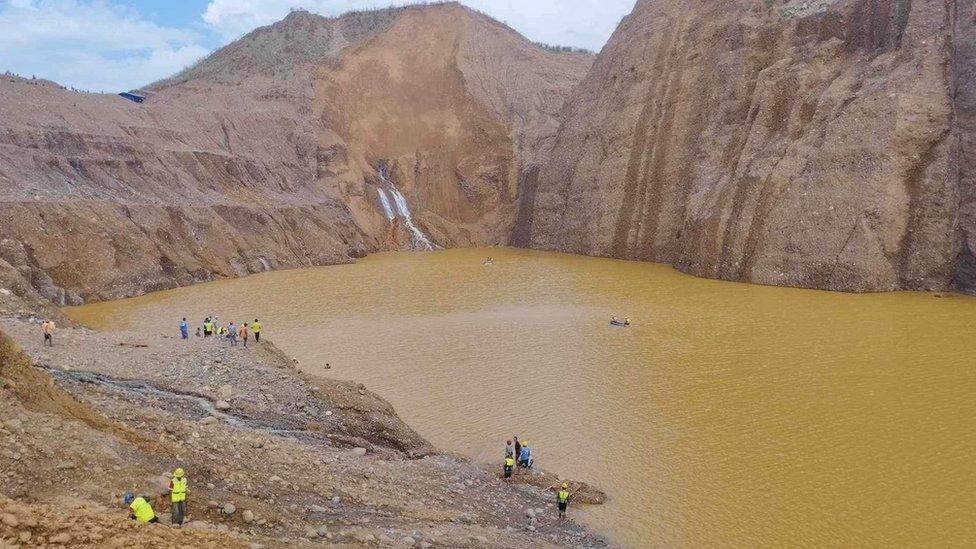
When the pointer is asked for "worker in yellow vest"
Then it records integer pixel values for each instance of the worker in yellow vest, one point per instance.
(256, 330)
(177, 496)
(509, 465)
(562, 499)
(139, 508)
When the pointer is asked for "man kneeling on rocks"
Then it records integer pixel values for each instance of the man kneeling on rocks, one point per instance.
(177, 492)
(139, 508)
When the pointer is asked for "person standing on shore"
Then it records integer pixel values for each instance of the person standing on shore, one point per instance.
(184, 329)
(48, 328)
(518, 447)
(207, 327)
(177, 493)
(232, 333)
(562, 500)
(509, 465)
(242, 333)
(256, 328)
(525, 457)
(509, 449)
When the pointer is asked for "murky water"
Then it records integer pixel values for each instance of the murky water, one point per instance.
(728, 414)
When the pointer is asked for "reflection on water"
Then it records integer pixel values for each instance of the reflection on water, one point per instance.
(728, 414)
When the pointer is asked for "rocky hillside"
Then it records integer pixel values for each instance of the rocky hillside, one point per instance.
(825, 144)
(265, 155)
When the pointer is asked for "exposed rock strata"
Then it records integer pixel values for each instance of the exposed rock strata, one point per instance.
(815, 144)
(257, 158)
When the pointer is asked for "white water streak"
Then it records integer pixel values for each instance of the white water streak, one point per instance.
(418, 240)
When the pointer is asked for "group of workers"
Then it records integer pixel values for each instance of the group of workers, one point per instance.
(141, 510)
(212, 327)
(518, 455)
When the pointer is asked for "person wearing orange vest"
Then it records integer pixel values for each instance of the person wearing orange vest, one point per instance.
(177, 496)
(139, 508)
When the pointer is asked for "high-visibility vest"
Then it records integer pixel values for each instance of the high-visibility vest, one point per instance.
(208, 326)
(178, 493)
(509, 462)
(563, 496)
(142, 510)
(256, 327)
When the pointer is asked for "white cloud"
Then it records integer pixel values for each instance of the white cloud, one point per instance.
(580, 23)
(91, 45)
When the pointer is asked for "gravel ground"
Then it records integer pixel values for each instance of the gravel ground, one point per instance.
(274, 457)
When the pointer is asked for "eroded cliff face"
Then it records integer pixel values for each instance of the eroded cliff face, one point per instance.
(793, 143)
(265, 154)
(456, 114)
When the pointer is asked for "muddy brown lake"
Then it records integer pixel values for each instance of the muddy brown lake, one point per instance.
(726, 414)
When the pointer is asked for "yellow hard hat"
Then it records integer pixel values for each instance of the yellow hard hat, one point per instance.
(179, 473)
(565, 485)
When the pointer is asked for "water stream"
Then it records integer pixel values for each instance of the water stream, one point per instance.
(400, 208)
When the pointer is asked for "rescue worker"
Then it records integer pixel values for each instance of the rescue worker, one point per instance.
(139, 508)
(256, 330)
(562, 499)
(525, 458)
(509, 464)
(177, 495)
(207, 327)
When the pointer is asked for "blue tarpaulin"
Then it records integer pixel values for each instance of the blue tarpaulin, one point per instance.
(133, 97)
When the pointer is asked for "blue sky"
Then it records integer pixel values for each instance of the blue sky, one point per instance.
(114, 45)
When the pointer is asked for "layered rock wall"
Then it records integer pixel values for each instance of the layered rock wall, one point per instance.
(806, 144)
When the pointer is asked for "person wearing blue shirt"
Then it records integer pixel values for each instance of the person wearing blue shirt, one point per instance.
(184, 329)
(525, 457)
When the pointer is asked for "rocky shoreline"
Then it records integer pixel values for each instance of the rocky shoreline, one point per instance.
(275, 457)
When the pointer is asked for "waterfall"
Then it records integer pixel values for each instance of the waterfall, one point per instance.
(385, 203)
(400, 208)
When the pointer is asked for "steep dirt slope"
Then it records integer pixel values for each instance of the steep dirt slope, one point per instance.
(789, 143)
(457, 106)
(241, 164)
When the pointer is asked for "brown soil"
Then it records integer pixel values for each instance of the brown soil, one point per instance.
(249, 162)
(301, 459)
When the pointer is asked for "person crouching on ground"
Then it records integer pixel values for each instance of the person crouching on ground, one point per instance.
(562, 500)
(139, 508)
(177, 496)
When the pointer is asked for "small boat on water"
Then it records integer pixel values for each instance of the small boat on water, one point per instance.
(620, 323)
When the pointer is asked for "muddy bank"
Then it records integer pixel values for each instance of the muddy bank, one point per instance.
(274, 457)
